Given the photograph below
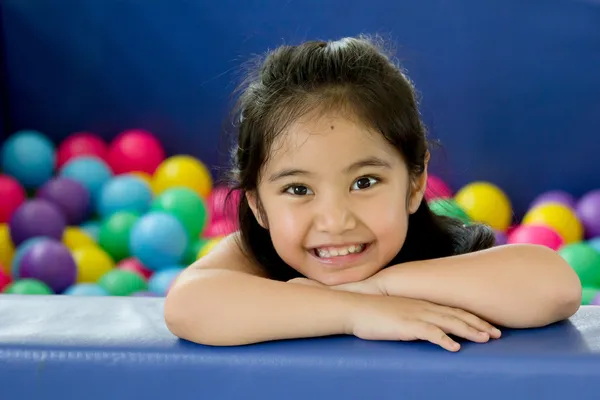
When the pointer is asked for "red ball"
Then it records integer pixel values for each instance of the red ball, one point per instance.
(222, 207)
(135, 265)
(135, 150)
(5, 279)
(436, 189)
(81, 144)
(220, 228)
(12, 195)
(536, 234)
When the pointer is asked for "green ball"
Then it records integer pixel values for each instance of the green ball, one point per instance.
(588, 294)
(119, 282)
(449, 208)
(114, 234)
(28, 286)
(187, 206)
(191, 252)
(585, 260)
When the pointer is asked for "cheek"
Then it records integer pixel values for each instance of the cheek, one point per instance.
(387, 218)
(287, 228)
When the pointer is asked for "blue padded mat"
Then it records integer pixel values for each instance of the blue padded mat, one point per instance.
(60, 347)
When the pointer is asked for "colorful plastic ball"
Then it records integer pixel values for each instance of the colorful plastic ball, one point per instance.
(20, 252)
(162, 280)
(92, 263)
(436, 189)
(75, 237)
(85, 289)
(70, 196)
(135, 265)
(158, 240)
(183, 171)
(81, 144)
(135, 150)
(208, 246)
(92, 228)
(115, 234)
(144, 293)
(223, 203)
(595, 301)
(588, 211)
(29, 157)
(7, 248)
(595, 243)
(218, 228)
(50, 262)
(191, 252)
(120, 282)
(449, 208)
(486, 203)
(536, 234)
(12, 196)
(589, 295)
(144, 176)
(124, 193)
(500, 238)
(91, 172)
(185, 205)
(28, 286)
(37, 217)
(5, 278)
(559, 217)
(585, 260)
(554, 196)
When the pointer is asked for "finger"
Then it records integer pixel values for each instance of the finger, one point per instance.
(435, 335)
(456, 326)
(475, 322)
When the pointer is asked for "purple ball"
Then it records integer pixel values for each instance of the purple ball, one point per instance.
(501, 238)
(143, 294)
(555, 196)
(70, 196)
(37, 217)
(588, 211)
(595, 301)
(51, 262)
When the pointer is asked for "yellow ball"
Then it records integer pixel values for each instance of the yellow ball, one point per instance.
(183, 171)
(74, 237)
(559, 217)
(92, 263)
(486, 203)
(7, 248)
(208, 246)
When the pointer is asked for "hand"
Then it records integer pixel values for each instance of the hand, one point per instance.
(399, 318)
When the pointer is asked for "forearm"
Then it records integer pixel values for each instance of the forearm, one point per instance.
(224, 308)
(516, 286)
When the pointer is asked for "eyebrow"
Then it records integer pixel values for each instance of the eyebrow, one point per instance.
(365, 162)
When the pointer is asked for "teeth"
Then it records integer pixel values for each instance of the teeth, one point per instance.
(327, 252)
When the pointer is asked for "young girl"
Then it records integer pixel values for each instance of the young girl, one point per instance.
(335, 236)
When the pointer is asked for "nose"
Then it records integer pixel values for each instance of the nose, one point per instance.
(334, 216)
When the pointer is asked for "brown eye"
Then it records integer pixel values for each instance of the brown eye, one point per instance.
(297, 190)
(364, 183)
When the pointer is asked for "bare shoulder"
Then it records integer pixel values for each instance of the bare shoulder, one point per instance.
(228, 255)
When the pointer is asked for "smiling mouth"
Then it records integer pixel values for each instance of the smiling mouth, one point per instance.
(340, 251)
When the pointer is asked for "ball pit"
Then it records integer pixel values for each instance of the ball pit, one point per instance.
(104, 218)
(485, 202)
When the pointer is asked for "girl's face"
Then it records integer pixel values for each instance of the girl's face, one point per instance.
(336, 198)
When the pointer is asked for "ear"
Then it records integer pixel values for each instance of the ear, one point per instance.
(252, 198)
(418, 188)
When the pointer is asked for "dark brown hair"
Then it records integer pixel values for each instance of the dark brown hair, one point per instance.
(357, 74)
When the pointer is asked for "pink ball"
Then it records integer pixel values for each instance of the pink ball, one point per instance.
(81, 144)
(135, 265)
(220, 228)
(536, 234)
(5, 279)
(436, 189)
(135, 150)
(219, 208)
(12, 196)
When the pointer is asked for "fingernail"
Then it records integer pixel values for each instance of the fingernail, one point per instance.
(496, 331)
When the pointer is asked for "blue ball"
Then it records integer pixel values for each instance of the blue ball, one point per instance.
(85, 289)
(92, 228)
(29, 157)
(20, 252)
(160, 281)
(595, 243)
(91, 172)
(124, 193)
(158, 240)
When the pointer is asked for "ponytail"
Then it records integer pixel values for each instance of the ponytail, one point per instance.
(434, 236)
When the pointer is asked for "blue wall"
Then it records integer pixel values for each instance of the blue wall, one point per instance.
(511, 88)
